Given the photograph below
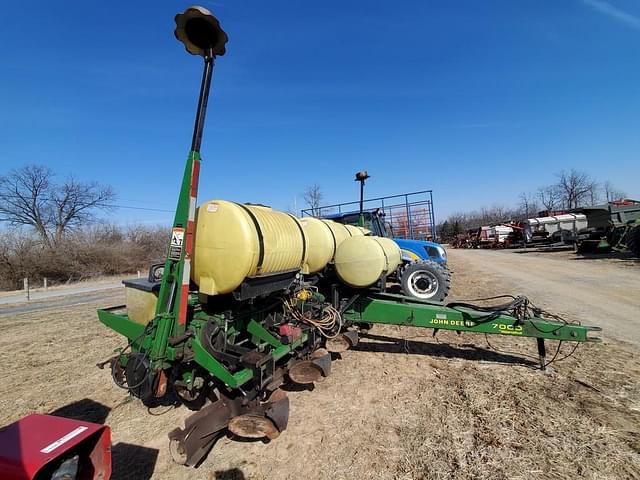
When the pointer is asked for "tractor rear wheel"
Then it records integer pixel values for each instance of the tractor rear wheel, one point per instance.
(426, 280)
(633, 240)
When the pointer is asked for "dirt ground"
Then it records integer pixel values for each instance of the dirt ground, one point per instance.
(600, 289)
(403, 405)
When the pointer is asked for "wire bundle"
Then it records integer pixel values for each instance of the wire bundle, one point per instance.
(326, 324)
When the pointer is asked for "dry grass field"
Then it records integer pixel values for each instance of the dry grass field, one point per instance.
(403, 405)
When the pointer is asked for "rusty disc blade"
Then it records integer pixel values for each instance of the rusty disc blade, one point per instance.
(338, 344)
(252, 425)
(319, 353)
(277, 396)
(305, 372)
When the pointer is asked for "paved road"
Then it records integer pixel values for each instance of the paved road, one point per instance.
(60, 297)
(61, 292)
(595, 291)
(114, 294)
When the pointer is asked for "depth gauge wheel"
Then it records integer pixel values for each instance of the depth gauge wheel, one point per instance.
(140, 380)
(426, 280)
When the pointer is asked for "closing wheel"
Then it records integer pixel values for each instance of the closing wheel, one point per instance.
(426, 280)
(315, 369)
(342, 342)
(265, 420)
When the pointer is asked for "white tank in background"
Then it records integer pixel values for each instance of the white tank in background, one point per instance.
(568, 221)
(500, 233)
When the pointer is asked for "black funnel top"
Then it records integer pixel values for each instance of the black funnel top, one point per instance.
(200, 32)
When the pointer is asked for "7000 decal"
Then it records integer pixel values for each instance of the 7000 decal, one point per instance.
(508, 329)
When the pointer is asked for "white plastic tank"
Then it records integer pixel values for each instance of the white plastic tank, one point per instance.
(362, 260)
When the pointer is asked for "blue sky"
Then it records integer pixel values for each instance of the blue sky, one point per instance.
(478, 101)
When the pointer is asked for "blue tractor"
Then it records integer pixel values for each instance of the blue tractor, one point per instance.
(424, 274)
(413, 250)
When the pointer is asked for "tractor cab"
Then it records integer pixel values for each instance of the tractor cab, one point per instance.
(373, 221)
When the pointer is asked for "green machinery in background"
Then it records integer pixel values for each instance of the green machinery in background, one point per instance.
(226, 356)
(613, 226)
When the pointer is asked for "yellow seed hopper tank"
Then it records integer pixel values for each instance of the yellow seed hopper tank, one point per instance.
(321, 244)
(234, 241)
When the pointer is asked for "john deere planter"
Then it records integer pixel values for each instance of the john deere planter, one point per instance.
(250, 298)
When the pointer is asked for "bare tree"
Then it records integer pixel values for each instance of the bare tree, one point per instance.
(594, 193)
(493, 215)
(611, 193)
(575, 188)
(528, 204)
(29, 196)
(549, 197)
(313, 197)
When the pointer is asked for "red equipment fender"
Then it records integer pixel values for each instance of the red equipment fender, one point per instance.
(38, 445)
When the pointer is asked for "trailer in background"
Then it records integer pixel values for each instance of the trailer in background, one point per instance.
(611, 226)
(562, 227)
(502, 235)
(409, 216)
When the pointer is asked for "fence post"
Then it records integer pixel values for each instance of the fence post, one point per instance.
(44, 283)
(25, 283)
